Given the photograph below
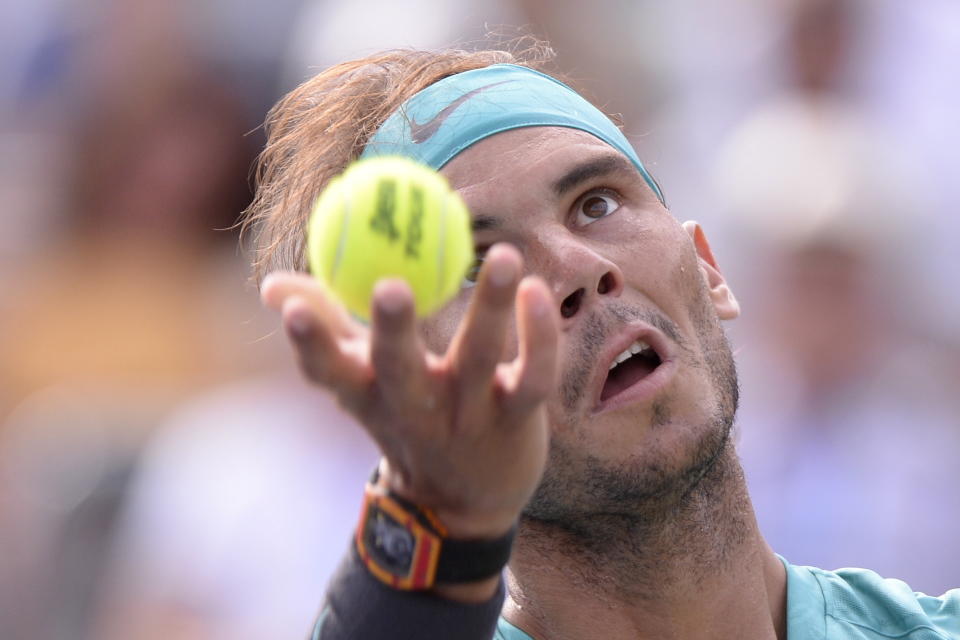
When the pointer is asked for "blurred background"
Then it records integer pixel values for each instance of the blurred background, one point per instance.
(165, 474)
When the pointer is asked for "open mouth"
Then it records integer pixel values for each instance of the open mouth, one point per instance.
(632, 365)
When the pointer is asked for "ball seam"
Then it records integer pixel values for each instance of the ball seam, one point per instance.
(344, 226)
(441, 256)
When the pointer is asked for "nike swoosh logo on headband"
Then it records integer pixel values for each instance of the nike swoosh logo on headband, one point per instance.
(422, 132)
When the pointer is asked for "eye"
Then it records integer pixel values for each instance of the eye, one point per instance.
(595, 205)
(470, 277)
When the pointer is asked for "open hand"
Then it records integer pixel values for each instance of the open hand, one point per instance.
(461, 433)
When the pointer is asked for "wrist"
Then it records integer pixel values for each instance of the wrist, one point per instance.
(460, 524)
(476, 526)
(408, 547)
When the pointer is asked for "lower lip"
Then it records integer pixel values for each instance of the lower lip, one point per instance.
(640, 391)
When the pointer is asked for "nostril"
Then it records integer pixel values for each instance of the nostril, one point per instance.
(607, 283)
(571, 304)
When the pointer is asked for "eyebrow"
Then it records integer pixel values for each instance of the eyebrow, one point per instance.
(485, 223)
(603, 166)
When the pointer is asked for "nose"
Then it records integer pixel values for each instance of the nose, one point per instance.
(583, 278)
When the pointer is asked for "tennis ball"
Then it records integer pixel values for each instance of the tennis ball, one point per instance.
(390, 217)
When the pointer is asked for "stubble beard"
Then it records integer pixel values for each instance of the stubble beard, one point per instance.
(601, 511)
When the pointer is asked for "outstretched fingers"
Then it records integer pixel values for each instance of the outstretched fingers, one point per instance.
(397, 352)
(330, 346)
(324, 357)
(280, 286)
(479, 343)
(532, 376)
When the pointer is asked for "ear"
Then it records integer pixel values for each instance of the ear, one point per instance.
(723, 300)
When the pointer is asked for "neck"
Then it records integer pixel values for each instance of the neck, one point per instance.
(699, 569)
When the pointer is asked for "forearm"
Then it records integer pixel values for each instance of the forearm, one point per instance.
(360, 607)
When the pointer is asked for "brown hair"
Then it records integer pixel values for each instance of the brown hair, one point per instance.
(320, 127)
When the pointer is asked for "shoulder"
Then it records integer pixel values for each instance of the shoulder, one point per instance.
(857, 603)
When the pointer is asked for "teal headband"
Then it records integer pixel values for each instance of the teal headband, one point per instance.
(450, 115)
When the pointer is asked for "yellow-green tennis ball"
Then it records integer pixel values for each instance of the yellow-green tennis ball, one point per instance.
(390, 217)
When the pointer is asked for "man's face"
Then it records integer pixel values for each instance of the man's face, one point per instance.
(625, 276)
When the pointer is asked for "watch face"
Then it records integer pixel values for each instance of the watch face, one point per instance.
(394, 545)
(389, 541)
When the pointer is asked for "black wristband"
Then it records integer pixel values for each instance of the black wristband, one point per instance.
(360, 607)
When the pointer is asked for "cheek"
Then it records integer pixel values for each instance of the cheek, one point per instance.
(659, 261)
(681, 258)
(688, 280)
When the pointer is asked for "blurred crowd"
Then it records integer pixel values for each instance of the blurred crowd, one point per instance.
(164, 473)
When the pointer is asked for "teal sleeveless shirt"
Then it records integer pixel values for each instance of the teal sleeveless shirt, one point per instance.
(849, 604)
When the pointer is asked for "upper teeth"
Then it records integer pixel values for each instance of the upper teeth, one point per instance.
(633, 349)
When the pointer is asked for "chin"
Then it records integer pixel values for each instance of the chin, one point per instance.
(644, 470)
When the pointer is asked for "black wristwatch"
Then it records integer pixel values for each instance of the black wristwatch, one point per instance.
(406, 547)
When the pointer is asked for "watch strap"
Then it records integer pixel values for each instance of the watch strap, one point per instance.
(430, 556)
(471, 560)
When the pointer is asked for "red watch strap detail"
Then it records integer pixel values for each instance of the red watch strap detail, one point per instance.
(425, 562)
